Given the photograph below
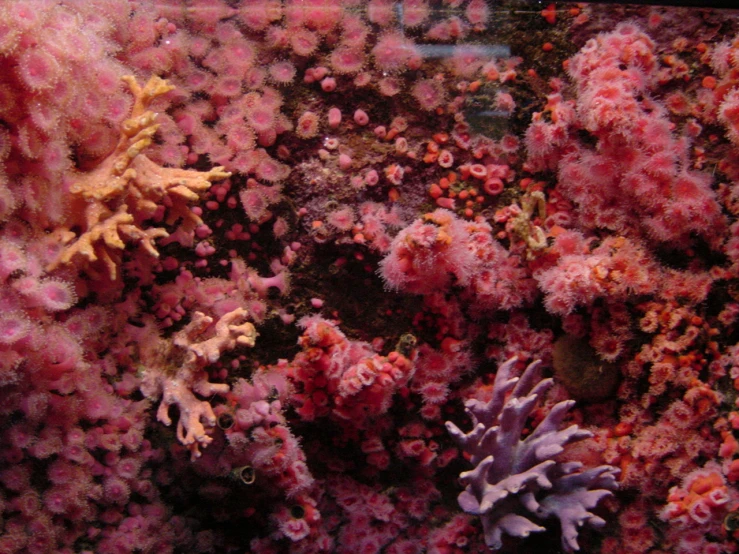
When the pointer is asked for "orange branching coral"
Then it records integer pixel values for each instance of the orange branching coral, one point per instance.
(111, 202)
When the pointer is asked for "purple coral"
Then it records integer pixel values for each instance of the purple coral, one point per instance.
(516, 482)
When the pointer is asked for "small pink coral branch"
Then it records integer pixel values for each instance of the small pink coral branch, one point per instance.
(195, 414)
(177, 386)
(229, 335)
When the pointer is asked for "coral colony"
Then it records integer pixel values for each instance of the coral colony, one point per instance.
(506, 465)
(343, 276)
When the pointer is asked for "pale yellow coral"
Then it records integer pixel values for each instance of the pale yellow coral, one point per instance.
(125, 189)
(522, 226)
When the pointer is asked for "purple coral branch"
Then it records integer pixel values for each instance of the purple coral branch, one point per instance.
(516, 482)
